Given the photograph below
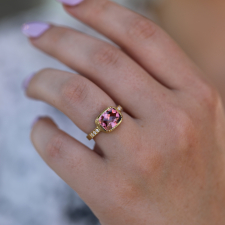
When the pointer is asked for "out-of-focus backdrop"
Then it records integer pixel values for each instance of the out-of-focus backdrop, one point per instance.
(12, 7)
(30, 192)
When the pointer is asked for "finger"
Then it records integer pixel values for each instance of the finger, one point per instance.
(77, 165)
(81, 100)
(107, 66)
(149, 45)
(98, 150)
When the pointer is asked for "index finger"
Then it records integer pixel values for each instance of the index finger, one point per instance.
(142, 39)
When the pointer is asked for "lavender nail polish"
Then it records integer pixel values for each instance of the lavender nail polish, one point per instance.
(26, 82)
(34, 29)
(70, 2)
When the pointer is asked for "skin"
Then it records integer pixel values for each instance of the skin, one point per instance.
(198, 27)
(165, 163)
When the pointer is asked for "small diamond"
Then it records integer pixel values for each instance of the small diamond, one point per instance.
(91, 135)
(119, 108)
(94, 132)
(97, 130)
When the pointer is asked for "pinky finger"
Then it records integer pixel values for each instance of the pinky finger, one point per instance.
(76, 164)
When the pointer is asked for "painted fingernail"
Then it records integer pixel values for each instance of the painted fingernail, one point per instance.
(70, 2)
(34, 29)
(26, 81)
(35, 121)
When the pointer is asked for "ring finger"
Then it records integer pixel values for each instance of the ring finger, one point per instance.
(81, 100)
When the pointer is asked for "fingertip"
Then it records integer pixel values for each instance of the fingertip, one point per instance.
(70, 3)
(34, 29)
(26, 81)
(35, 121)
(39, 125)
(44, 119)
(73, 11)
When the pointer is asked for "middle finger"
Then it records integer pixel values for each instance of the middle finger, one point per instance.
(107, 66)
(82, 101)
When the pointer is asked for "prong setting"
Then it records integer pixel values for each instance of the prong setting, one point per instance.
(107, 121)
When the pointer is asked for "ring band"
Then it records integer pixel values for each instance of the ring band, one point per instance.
(107, 121)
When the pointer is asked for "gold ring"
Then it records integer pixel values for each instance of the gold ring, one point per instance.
(107, 121)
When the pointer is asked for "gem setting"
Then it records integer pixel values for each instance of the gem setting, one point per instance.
(109, 119)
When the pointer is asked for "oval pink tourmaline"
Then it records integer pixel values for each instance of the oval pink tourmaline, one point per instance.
(109, 119)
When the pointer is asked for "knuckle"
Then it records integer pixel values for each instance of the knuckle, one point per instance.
(209, 97)
(106, 55)
(74, 91)
(150, 164)
(141, 28)
(184, 130)
(124, 193)
(54, 146)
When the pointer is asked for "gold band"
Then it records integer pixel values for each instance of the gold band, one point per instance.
(99, 128)
(94, 133)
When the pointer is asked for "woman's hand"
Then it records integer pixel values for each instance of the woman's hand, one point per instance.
(165, 164)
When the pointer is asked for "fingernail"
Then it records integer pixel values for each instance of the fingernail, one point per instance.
(34, 29)
(26, 81)
(70, 2)
(35, 121)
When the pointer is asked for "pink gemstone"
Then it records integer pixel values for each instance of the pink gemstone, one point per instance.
(109, 119)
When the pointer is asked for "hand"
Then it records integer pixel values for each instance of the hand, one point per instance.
(165, 164)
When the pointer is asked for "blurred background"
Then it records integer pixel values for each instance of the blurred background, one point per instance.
(12, 7)
(30, 192)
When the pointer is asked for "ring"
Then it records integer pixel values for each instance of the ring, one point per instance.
(107, 121)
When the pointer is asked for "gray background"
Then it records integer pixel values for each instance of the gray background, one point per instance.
(30, 192)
